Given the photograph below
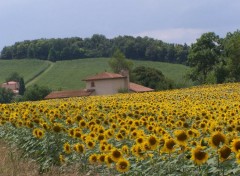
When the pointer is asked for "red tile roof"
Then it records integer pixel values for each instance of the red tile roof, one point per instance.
(139, 88)
(66, 94)
(104, 75)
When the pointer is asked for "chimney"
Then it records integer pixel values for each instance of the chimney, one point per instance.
(126, 74)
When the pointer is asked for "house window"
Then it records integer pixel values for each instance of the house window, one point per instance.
(92, 84)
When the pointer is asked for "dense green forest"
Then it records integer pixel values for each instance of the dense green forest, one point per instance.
(139, 48)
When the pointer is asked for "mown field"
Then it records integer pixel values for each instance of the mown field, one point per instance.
(68, 75)
(26, 68)
(193, 131)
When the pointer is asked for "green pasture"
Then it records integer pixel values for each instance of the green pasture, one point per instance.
(27, 68)
(68, 75)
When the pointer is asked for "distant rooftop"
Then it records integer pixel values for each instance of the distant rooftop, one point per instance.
(69, 93)
(10, 83)
(104, 75)
(139, 88)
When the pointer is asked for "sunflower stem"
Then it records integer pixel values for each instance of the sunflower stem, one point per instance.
(218, 163)
(169, 160)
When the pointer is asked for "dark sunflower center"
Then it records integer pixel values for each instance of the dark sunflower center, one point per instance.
(170, 144)
(182, 136)
(217, 139)
(152, 141)
(116, 154)
(200, 155)
(225, 152)
(123, 164)
(237, 146)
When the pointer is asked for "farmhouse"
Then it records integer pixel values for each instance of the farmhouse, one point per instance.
(104, 83)
(12, 85)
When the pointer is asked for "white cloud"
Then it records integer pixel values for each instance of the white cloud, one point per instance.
(175, 35)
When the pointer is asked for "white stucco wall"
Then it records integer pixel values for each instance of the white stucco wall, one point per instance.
(107, 86)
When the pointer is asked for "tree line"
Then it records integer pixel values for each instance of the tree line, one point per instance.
(138, 48)
(214, 59)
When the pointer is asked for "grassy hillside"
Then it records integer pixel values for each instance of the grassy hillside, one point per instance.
(69, 74)
(27, 68)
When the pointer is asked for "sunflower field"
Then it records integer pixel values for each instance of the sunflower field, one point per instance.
(193, 131)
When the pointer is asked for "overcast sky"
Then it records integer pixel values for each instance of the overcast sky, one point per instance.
(175, 21)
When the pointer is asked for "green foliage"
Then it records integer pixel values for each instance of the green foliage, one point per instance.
(35, 92)
(6, 95)
(232, 53)
(119, 62)
(14, 76)
(203, 56)
(123, 90)
(21, 86)
(97, 46)
(151, 77)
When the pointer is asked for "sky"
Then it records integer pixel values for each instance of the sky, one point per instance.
(172, 21)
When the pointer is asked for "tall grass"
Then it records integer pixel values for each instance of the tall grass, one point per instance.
(13, 164)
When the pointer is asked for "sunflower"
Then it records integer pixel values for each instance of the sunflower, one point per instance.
(238, 157)
(140, 140)
(69, 121)
(103, 147)
(79, 148)
(138, 151)
(153, 142)
(100, 137)
(109, 133)
(67, 148)
(169, 145)
(146, 146)
(235, 145)
(61, 159)
(93, 159)
(101, 158)
(116, 155)
(224, 153)
(82, 124)
(38, 133)
(57, 127)
(119, 136)
(199, 156)
(181, 137)
(125, 149)
(90, 144)
(134, 134)
(35, 132)
(217, 139)
(108, 160)
(122, 165)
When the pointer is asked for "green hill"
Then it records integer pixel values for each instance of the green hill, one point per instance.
(64, 75)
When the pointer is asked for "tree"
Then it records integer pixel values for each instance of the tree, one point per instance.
(203, 56)
(6, 53)
(151, 77)
(119, 62)
(35, 93)
(21, 86)
(14, 76)
(6, 95)
(232, 51)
